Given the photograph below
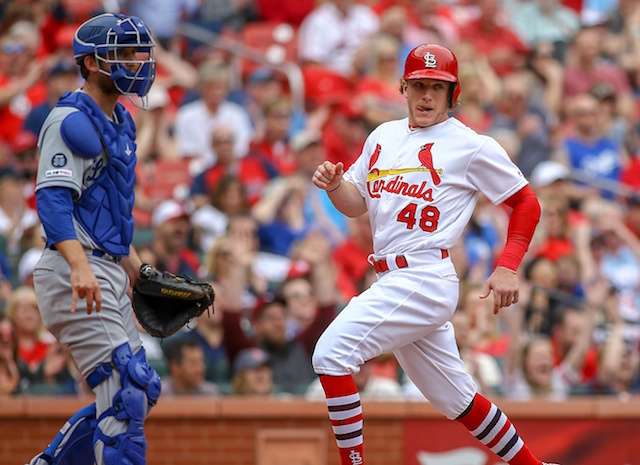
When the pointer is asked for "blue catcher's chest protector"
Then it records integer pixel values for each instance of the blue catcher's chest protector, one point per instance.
(105, 208)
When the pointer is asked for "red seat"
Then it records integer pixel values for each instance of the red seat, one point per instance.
(325, 87)
(158, 181)
(278, 42)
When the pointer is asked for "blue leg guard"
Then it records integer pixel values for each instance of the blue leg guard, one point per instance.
(73, 445)
(140, 391)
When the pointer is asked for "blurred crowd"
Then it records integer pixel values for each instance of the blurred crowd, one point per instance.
(227, 150)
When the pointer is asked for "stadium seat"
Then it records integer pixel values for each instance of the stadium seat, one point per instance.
(324, 87)
(277, 41)
(161, 180)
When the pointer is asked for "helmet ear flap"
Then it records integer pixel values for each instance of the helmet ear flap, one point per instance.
(452, 91)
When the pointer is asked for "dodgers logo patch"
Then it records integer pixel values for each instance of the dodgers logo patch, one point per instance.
(59, 160)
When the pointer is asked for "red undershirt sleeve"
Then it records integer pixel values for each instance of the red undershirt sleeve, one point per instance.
(522, 224)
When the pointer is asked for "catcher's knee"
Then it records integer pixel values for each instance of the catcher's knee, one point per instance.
(139, 392)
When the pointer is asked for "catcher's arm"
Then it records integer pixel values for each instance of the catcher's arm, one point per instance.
(84, 284)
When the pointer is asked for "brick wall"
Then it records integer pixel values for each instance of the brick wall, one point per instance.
(228, 431)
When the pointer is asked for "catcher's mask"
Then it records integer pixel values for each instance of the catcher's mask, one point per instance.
(434, 61)
(105, 36)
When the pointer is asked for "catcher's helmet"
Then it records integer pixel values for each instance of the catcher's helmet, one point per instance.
(103, 36)
(433, 61)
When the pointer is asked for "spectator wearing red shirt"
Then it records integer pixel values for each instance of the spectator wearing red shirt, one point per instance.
(345, 133)
(495, 40)
(565, 333)
(21, 85)
(285, 11)
(352, 257)
(377, 91)
(432, 22)
(171, 230)
(274, 147)
(253, 172)
(585, 69)
(555, 224)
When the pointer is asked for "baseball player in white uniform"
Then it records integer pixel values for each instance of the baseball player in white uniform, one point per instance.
(419, 179)
(85, 197)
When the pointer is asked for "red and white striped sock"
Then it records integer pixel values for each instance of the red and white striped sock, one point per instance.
(493, 428)
(345, 413)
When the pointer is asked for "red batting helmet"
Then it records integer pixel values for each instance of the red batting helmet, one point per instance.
(433, 61)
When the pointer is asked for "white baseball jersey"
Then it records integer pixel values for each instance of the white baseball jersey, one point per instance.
(421, 185)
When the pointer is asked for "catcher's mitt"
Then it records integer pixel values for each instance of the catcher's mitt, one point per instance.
(164, 302)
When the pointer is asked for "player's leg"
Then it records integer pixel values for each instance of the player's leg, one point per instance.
(92, 340)
(399, 307)
(434, 365)
(126, 388)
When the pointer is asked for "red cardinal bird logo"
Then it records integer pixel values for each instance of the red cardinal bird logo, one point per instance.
(426, 159)
(375, 156)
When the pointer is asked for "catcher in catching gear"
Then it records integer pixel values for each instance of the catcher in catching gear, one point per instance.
(164, 302)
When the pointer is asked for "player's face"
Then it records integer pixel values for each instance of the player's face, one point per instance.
(428, 101)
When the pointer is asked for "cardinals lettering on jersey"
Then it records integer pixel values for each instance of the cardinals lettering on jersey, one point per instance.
(376, 182)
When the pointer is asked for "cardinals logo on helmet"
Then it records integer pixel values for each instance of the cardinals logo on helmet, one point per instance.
(430, 60)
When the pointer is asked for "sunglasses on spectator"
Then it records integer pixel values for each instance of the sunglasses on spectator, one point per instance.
(299, 295)
(14, 48)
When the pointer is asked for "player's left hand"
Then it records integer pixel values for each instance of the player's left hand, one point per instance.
(505, 285)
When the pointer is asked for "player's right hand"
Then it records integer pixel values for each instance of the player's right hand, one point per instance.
(84, 285)
(328, 176)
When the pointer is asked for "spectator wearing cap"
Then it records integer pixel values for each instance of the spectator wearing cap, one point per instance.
(185, 360)
(196, 121)
(332, 33)
(18, 223)
(262, 85)
(253, 172)
(252, 374)
(171, 228)
(62, 77)
(552, 178)
(21, 78)
(290, 357)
